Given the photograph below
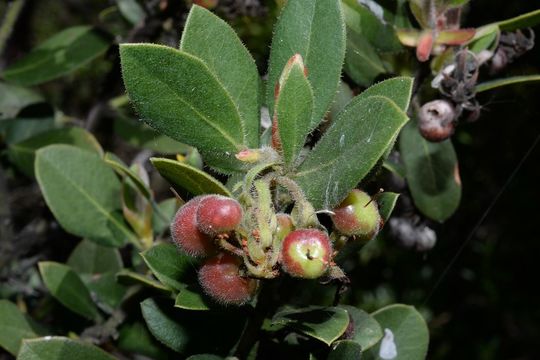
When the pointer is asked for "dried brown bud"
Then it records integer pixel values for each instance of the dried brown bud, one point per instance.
(436, 120)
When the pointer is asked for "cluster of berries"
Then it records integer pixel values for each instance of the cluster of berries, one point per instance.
(201, 224)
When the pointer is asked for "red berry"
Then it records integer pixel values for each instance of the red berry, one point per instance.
(218, 214)
(357, 215)
(306, 253)
(220, 278)
(187, 235)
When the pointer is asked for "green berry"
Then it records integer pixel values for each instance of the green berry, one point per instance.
(306, 253)
(357, 215)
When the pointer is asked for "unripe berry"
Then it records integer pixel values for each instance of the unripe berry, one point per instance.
(284, 226)
(220, 278)
(357, 215)
(218, 214)
(436, 120)
(186, 234)
(306, 253)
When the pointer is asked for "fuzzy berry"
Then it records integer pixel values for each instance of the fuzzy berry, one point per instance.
(357, 215)
(220, 278)
(218, 214)
(306, 253)
(186, 234)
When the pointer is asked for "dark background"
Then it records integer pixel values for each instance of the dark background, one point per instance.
(486, 305)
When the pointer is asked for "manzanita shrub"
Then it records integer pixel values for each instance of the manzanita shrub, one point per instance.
(273, 183)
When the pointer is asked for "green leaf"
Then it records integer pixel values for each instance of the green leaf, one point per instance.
(190, 331)
(106, 289)
(191, 297)
(345, 350)
(213, 41)
(493, 84)
(139, 134)
(362, 63)
(354, 143)
(187, 177)
(168, 264)
(131, 10)
(529, 19)
(19, 129)
(293, 110)
(387, 202)
(326, 324)
(367, 331)
(83, 193)
(167, 209)
(91, 258)
(59, 55)
(411, 335)
(177, 94)
(343, 97)
(60, 348)
(127, 277)
(114, 162)
(13, 98)
(398, 89)
(23, 153)
(67, 287)
(204, 357)
(432, 173)
(485, 38)
(314, 29)
(363, 22)
(136, 338)
(15, 327)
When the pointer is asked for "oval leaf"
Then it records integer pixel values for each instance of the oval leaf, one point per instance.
(349, 149)
(91, 258)
(432, 173)
(192, 298)
(398, 89)
(168, 264)
(314, 29)
(15, 327)
(13, 98)
(293, 111)
(345, 350)
(67, 287)
(188, 331)
(59, 55)
(187, 177)
(60, 348)
(23, 153)
(529, 19)
(177, 94)
(326, 324)
(83, 193)
(212, 40)
(409, 330)
(114, 162)
(127, 277)
(367, 331)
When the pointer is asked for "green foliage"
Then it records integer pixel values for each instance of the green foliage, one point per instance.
(23, 153)
(13, 98)
(315, 30)
(191, 297)
(91, 258)
(187, 177)
(204, 36)
(15, 327)
(83, 193)
(326, 324)
(168, 265)
(67, 287)
(203, 116)
(293, 110)
(349, 149)
(59, 348)
(493, 84)
(367, 331)
(432, 173)
(345, 350)
(410, 331)
(59, 55)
